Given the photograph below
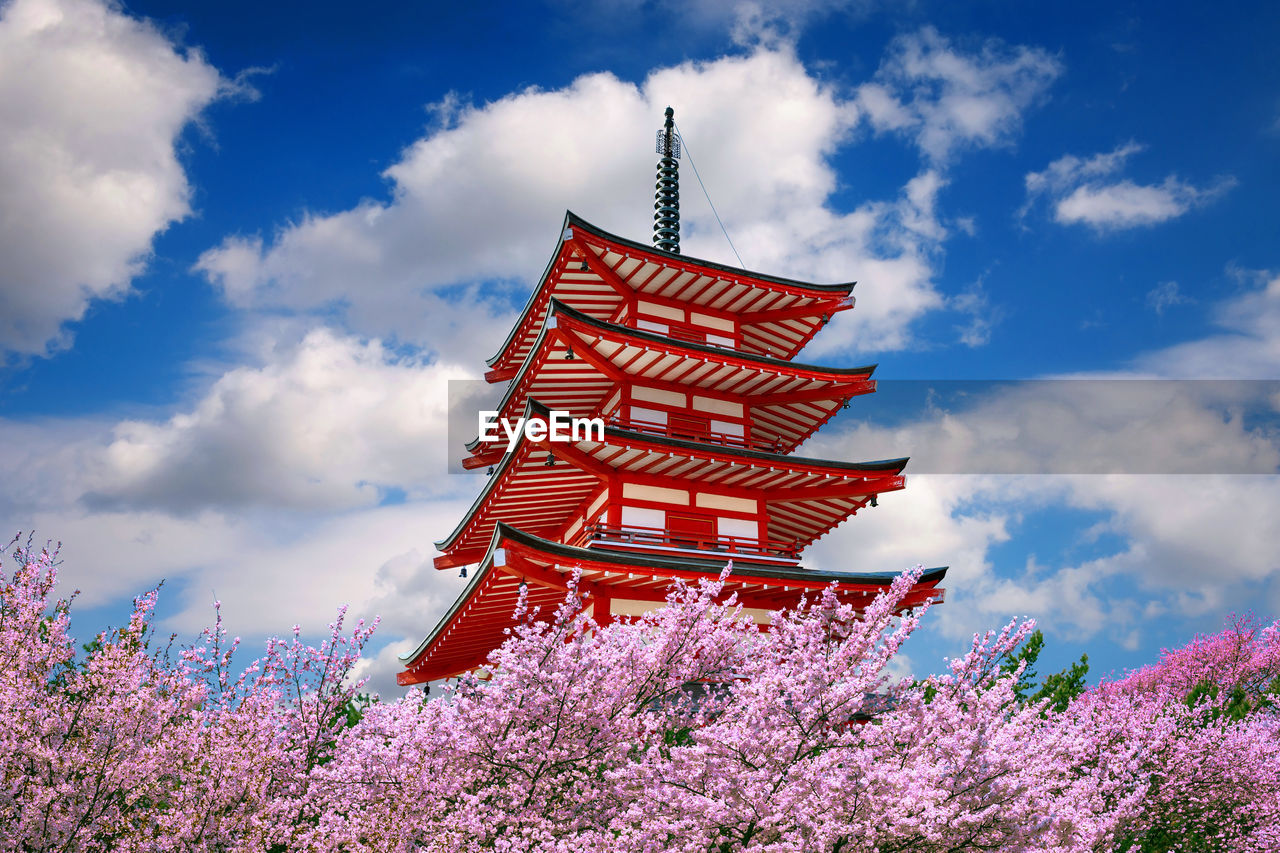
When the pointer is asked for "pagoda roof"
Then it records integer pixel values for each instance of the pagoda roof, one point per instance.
(778, 316)
(476, 624)
(806, 497)
(787, 401)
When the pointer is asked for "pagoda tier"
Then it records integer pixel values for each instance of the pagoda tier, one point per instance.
(647, 382)
(651, 492)
(614, 279)
(613, 583)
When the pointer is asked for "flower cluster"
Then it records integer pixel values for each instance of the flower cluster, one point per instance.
(131, 748)
(686, 729)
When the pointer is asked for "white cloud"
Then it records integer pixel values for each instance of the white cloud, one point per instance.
(1248, 347)
(263, 494)
(481, 196)
(269, 570)
(91, 102)
(1086, 192)
(113, 556)
(478, 197)
(331, 422)
(1196, 530)
(947, 100)
(1076, 426)
(929, 523)
(1202, 534)
(1069, 171)
(376, 560)
(1126, 204)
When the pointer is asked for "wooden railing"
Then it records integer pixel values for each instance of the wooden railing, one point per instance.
(654, 537)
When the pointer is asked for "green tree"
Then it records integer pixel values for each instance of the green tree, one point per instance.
(1058, 688)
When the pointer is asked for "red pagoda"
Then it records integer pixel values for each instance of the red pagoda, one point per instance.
(688, 364)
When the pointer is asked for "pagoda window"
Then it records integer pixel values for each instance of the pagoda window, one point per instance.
(688, 530)
(689, 427)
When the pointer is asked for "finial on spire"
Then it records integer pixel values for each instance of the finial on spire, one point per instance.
(666, 205)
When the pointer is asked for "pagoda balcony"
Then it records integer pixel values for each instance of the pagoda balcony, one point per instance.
(708, 436)
(655, 539)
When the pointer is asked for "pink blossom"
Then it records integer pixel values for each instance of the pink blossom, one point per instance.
(684, 729)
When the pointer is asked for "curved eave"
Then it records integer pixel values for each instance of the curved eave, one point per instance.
(559, 309)
(780, 460)
(712, 352)
(691, 448)
(653, 255)
(573, 220)
(742, 567)
(743, 571)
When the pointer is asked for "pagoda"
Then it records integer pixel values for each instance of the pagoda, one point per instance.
(689, 366)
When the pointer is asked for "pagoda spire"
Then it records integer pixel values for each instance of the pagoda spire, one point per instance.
(666, 217)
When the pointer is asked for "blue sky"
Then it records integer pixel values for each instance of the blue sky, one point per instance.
(247, 246)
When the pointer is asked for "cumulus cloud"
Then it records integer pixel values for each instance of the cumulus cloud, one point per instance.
(480, 198)
(91, 101)
(1183, 477)
(1078, 426)
(270, 570)
(266, 493)
(1126, 204)
(333, 422)
(480, 195)
(1087, 191)
(947, 100)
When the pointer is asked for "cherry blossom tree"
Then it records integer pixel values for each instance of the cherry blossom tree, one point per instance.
(685, 729)
(131, 748)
